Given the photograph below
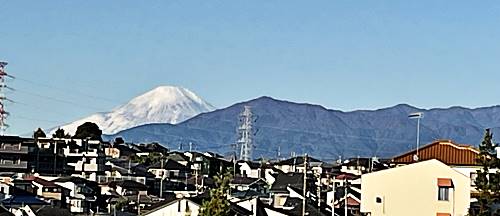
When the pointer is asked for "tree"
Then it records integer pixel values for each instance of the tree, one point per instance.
(218, 204)
(487, 183)
(39, 133)
(119, 140)
(60, 133)
(88, 130)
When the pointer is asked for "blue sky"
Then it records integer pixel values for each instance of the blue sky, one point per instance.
(74, 58)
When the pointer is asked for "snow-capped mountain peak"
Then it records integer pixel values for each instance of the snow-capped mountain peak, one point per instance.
(163, 104)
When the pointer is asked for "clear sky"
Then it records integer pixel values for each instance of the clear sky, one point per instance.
(74, 58)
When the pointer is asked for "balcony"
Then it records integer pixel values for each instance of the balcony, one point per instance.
(107, 179)
(13, 165)
(13, 149)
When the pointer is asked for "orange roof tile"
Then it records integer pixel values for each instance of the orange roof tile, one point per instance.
(444, 150)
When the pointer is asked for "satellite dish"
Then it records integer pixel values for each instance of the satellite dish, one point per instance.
(415, 157)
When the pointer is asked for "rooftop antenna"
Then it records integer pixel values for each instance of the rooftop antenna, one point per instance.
(246, 133)
(3, 98)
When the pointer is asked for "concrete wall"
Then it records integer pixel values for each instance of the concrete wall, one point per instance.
(412, 190)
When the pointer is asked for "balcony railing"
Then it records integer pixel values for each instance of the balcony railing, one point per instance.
(106, 179)
(15, 165)
(14, 149)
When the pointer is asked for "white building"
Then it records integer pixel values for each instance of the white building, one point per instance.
(425, 188)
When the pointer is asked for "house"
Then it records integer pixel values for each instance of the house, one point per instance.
(124, 170)
(169, 169)
(134, 193)
(128, 187)
(359, 165)
(296, 164)
(19, 198)
(425, 188)
(191, 206)
(241, 183)
(83, 193)
(250, 169)
(462, 158)
(50, 191)
(147, 149)
(244, 187)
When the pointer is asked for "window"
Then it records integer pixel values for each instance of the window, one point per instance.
(378, 200)
(443, 193)
(473, 177)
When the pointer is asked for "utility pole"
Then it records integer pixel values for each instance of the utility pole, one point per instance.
(333, 198)
(305, 186)
(161, 177)
(319, 190)
(345, 197)
(138, 203)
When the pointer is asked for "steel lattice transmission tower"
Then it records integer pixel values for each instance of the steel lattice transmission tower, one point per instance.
(3, 98)
(246, 133)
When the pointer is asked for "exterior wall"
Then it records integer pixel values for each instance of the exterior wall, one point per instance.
(249, 172)
(268, 177)
(286, 168)
(250, 205)
(279, 199)
(271, 212)
(412, 190)
(177, 208)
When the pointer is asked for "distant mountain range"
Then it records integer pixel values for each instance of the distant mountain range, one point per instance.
(164, 104)
(324, 133)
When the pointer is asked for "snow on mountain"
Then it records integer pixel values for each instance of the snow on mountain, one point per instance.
(164, 104)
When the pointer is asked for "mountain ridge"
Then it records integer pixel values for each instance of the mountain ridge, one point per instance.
(322, 132)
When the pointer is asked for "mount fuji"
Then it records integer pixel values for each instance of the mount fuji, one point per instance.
(163, 104)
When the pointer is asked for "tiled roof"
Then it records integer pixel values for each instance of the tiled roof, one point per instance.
(297, 161)
(283, 180)
(444, 150)
(169, 165)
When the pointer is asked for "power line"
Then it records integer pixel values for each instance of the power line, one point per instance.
(35, 119)
(58, 100)
(63, 90)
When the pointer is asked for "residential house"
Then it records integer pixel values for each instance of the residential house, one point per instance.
(83, 193)
(425, 188)
(250, 169)
(169, 169)
(296, 164)
(461, 158)
(49, 191)
(191, 206)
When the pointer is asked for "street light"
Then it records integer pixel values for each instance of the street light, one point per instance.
(418, 116)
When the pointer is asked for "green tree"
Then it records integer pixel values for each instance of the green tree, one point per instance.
(118, 141)
(60, 133)
(218, 204)
(88, 130)
(39, 133)
(487, 183)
